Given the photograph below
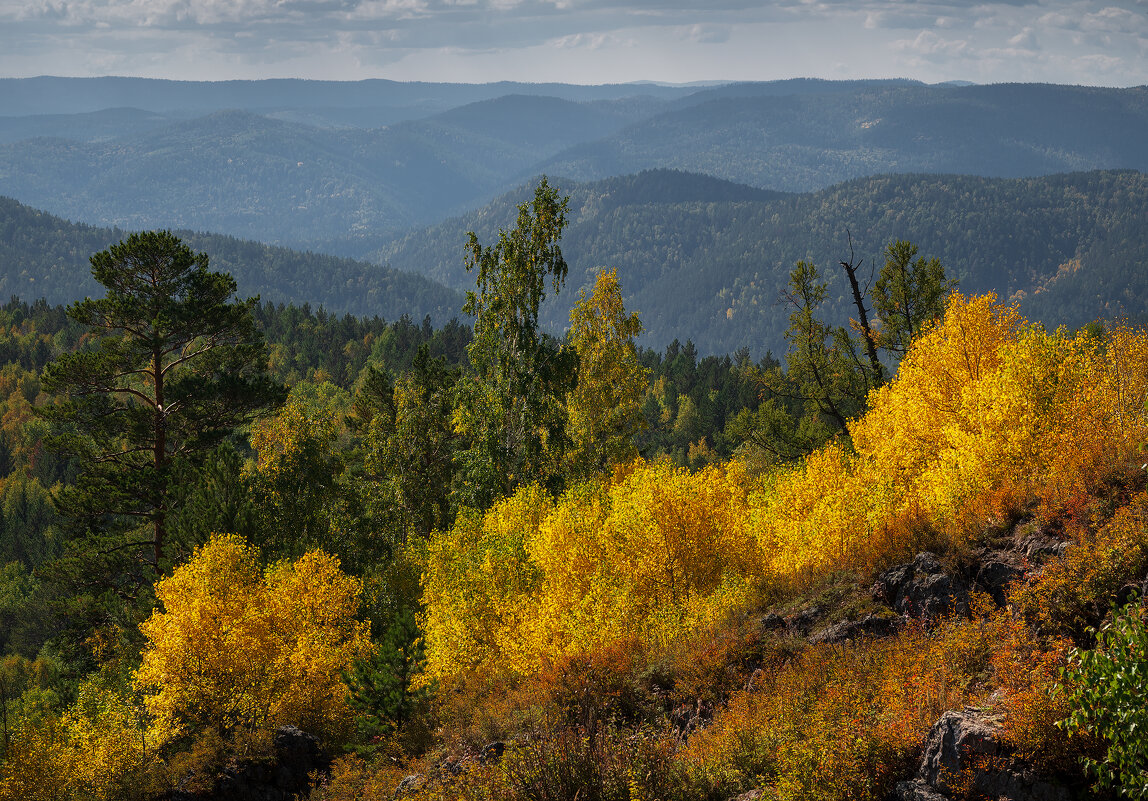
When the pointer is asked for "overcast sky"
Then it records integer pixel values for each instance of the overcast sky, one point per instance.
(1098, 42)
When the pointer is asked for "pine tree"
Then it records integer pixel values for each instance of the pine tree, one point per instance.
(175, 365)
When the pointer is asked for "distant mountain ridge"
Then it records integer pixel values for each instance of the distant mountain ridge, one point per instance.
(45, 256)
(344, 167)
(704, 259)
(699, 258)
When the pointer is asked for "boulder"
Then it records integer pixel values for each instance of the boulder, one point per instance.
(957, 741)
(492, 752)
(750, 795)
(286, 776)
(964, 747)
(803, 621)
(916, 790)
(995, 573)
(1040, 545)
(869, 626)
(922, 589)
(773, 622)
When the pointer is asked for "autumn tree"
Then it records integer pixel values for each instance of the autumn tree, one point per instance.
(831, 369)
(176, 364)
(510, 413)
(604, 407)
(236, 648)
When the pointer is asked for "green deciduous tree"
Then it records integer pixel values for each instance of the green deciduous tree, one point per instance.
(175, 366)
(1108, 702)
(510, 414)
(604, 407)
(411, 443)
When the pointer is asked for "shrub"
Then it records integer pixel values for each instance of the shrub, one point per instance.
(1108, 700)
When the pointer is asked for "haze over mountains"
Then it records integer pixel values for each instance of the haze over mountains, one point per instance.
(361, 169)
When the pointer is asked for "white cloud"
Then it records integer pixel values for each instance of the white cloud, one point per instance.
(1083, 41)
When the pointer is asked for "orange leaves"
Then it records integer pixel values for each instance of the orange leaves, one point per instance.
(237, 648)
(986, 417)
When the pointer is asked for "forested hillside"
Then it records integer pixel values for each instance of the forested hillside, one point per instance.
(258, 549)
(328, 167)
(42, 256)
(802, 141)
(706, 260)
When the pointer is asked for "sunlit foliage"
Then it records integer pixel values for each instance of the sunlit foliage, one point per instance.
(987, 418)
(239, 648)
(604, 408)
(650, 552)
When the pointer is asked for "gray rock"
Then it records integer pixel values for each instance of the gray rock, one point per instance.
(749, 795)
(409, 784)
(869, 626)
(1039, 546)
(803, 621)
(492, 752)
(922, 589)
(772, 622)
(996, 573)
(296, 756)
(916, 790)
(956, 741)
(967, 742)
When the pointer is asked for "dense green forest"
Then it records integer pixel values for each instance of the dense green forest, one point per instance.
(253, 548)
(706, 260)
(700, 259)
(45, 256)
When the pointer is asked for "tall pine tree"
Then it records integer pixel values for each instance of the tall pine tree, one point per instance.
(174, 366)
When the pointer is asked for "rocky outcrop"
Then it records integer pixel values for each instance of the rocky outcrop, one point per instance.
(996, 571)
(922, 589)
(964, 750)
(916, 790)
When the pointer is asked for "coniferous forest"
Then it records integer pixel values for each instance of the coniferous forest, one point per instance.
(252, 548)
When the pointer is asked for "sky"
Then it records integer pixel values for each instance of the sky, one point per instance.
(1093, 42)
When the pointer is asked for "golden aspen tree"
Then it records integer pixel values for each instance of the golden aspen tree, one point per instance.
(237, 648)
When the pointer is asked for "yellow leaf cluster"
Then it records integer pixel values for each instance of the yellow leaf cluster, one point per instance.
(988, 417)
(100, 750)
(649, 553)
(239, 648)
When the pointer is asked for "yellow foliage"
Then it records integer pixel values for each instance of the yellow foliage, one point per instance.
(987, 418)
(99, 751)
(477, 582)
(844, 722)
(651, 552)
(239, 648)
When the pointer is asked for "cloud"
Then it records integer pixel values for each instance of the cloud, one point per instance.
(1070, 40)
(706, 34)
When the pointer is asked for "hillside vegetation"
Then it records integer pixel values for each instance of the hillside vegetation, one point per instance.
(502, 565)
(42, 256)
(702, 260)
(706, 260)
